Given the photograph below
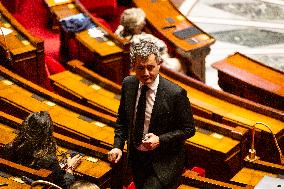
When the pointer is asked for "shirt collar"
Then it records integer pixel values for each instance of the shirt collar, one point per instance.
(153, 86)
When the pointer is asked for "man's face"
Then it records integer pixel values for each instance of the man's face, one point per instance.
(147, 71)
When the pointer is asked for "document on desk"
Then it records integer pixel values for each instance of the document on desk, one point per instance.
(6, 31)
(187, 32)
(268, 182)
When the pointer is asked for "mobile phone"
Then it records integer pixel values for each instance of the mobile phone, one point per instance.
(74, 153)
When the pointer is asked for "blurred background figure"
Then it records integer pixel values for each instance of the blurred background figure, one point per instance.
(35, 147)
(132, 22)
(83, 185)
(169, 62)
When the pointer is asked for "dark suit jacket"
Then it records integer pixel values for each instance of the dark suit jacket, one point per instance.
(171, 120)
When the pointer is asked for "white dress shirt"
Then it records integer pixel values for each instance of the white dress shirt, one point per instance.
(150, 100)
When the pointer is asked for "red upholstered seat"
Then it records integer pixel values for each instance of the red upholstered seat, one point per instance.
(130, 186)
(102, 21)
(11, 5)
(102, 8)
(200, 171)
(53, 65)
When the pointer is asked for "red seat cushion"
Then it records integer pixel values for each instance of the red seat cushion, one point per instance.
(199, 170)
(102, 21)
(53, 65)
(103, 8)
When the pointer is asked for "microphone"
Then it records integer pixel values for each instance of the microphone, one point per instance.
(252, 154)
(8, 54)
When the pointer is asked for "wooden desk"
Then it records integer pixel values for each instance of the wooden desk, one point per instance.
(87, 92)
(103, 56)
(92, 167)
(182, 186)
(250, 79)
(27, 51)
(165, 19)
(12, 184)
(190, 178)
(253, 172)
(220, 148)
(250, 176)
(17, 101)
(52, 3)
(231, 110)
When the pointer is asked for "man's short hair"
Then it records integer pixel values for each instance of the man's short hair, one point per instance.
(141, 49)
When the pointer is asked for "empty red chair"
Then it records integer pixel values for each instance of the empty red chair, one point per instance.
(200, 171)
(102, 8)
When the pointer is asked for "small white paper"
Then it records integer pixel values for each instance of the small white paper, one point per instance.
(99, 124)
(94, 32)
(5, 31)
(60, 1)
(92, 159)
(50, 103)
(96, 87)
(216, 135)
(19, 180)
(7, 82)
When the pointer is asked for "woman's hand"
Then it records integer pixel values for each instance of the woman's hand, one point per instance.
(73, 162)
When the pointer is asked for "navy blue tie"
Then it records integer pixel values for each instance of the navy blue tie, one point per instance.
(140, 116)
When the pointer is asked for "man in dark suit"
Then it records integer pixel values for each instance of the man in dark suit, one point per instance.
(155, 128)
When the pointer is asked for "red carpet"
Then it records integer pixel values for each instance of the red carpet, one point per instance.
(33, 15)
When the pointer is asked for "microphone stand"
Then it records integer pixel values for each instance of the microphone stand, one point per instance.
(252, 153)
(7, 52)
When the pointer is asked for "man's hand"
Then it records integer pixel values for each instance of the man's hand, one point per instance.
(150, 142)
(114, 155)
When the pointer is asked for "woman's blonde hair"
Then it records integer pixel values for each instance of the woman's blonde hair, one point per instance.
(132, 17)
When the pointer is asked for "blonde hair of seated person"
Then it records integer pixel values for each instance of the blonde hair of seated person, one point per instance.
(83, 185)
(132, 22)
(169, 62)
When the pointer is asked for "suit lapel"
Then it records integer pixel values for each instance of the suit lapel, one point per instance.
(159, 103)
(131, 94)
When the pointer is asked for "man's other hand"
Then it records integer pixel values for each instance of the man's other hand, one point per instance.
(150, 142)
(114, 155)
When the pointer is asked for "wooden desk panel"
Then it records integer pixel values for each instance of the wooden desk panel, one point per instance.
(12, 184)
(186, 187)
(250, 79)
(157, 13)
(103, 57)
(62, 117)
(214, 141)
(224, 111)
(92, 167)
(86, 91)
(250, 176)
(165, 19)
(190, 178)
(27, 51)
(61, 11)
(52, 3)
(253, 172)
(220, 155)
